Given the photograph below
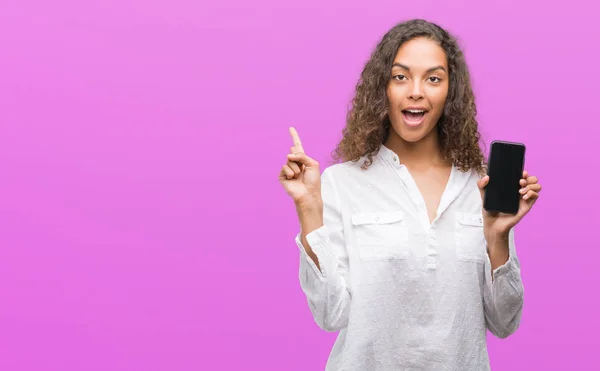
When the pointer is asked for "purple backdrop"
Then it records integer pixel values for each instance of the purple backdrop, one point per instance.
(142, 226)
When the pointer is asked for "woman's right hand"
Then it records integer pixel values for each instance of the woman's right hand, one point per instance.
(300, 176)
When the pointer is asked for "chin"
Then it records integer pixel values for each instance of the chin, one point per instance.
(412, 138)
(412, 134)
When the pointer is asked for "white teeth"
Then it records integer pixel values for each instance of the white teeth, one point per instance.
(415, 111)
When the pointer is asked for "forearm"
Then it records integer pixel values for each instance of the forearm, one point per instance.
(498, 249)
(503, 300)
(503, 292)
(324, 265)
(310, 215)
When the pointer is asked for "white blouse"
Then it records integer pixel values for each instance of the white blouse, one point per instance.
(405, 294)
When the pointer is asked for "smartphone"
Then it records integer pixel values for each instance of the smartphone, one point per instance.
(505, 169)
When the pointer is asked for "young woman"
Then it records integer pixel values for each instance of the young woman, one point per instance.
(397, 253)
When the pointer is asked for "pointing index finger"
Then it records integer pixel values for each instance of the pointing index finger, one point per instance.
(296, 139)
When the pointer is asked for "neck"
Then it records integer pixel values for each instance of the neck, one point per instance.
(425, 153)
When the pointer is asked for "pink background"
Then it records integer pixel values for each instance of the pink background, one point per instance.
(142, 226)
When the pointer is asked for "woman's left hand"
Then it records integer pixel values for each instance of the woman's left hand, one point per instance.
(499, 224)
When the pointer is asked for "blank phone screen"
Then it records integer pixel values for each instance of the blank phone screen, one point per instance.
(505, 168)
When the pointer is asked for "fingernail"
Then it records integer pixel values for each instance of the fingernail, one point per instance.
(525, 197)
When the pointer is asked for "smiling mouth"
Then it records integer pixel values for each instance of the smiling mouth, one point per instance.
(414, 116)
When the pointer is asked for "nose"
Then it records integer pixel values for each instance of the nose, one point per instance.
(416, 91)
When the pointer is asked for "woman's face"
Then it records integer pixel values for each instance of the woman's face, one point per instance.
(417, 89)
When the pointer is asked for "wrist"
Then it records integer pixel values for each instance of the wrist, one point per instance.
(497, 247)
(309, 204)
(496, 237)
(310, 215)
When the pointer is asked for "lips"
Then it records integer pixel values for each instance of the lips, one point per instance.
(414, 116)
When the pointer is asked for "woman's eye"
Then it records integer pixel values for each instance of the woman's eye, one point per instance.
(399, 77)
(435, 79)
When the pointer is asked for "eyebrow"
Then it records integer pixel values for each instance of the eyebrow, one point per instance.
(428, 71)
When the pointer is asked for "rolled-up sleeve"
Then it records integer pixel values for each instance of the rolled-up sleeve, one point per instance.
(503, 294)
(326, 289)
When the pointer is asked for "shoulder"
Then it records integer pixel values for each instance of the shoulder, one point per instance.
(473, 174)
(350, 170)
(339, 169)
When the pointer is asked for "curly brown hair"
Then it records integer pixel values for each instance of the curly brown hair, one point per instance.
(368, 124)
